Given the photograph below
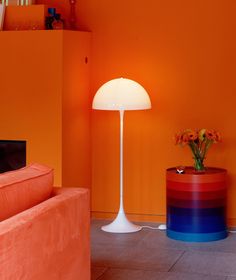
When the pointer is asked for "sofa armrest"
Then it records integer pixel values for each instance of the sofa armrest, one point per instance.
(48, 241)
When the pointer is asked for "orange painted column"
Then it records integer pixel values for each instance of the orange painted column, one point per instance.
(44, 86)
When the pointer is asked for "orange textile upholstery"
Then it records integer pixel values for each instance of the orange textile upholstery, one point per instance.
(23, 188)
(49, 241)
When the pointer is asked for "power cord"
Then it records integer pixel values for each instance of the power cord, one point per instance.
(160, 227)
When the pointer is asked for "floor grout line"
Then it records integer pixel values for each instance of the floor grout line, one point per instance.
(101, 276)
(169, 270)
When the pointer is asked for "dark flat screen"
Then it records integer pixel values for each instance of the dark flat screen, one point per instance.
(12, 155)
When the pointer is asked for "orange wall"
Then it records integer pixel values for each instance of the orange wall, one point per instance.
(76, 163)
(30, 106)
(183, 53)
(44, 89)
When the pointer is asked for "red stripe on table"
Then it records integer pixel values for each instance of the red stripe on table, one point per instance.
(196, 187)
(196, 178)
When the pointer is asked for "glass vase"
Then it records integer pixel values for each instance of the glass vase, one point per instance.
(198, 164)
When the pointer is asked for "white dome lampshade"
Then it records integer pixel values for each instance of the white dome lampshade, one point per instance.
(121, 94)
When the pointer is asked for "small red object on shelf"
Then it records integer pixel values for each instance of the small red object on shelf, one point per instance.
(72, 19)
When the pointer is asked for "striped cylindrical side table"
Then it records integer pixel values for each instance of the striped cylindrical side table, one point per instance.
(196, 204)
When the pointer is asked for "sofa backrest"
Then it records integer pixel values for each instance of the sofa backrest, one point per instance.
(23, 188)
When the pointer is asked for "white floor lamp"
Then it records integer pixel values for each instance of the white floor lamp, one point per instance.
(120, 95)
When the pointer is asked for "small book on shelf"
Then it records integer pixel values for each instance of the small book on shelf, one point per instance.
(17, 2)
(2, 13)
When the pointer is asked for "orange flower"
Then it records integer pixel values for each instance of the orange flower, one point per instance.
(185, 139)
(213, 135)
(210, 134)
(199, 142)
(177, 139)
(192, 135)
(217, 136)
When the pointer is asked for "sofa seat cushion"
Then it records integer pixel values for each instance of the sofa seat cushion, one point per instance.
(23, 188)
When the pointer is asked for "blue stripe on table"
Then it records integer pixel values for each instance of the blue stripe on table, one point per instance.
(196, 237)
(196, 221)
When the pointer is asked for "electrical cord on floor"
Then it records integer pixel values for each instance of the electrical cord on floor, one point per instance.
(160, 227)
(163, 227)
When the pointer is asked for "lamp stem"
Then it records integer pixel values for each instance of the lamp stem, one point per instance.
(121, 209)
(121, 224)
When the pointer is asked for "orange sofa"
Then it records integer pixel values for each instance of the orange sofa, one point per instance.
(44, 231)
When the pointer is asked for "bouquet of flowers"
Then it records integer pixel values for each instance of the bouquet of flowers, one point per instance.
(199, 141)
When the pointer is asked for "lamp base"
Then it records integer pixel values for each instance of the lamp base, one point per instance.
(121, 225)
